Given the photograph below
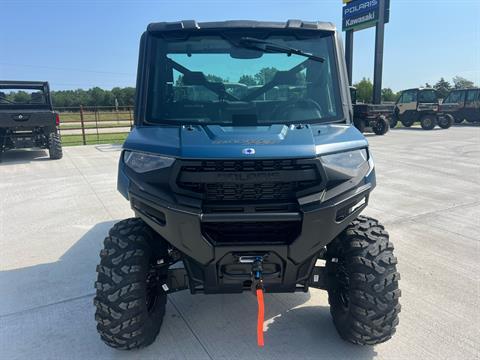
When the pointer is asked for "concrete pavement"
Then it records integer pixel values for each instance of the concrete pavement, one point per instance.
(55, 214)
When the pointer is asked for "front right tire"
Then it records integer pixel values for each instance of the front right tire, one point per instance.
(381, 125)
(363, 283)
(130, 303)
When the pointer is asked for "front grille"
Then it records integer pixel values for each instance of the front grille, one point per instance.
(248, 180)
(253, 192)
(264, 232)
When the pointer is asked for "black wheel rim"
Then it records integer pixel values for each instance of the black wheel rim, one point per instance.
(151, 291)
(381, 127)
(343, 285)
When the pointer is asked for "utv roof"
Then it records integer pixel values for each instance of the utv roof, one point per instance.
(190, 25)
(20, 84)
(465, 89)
(419, 88)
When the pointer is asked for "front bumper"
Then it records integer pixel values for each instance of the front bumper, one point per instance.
(215, 268)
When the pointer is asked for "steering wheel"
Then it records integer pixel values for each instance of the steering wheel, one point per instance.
(305, 108)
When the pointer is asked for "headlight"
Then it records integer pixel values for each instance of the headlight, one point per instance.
(345, 164)
(142, 162)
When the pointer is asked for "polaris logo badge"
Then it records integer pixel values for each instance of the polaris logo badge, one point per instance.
(248, 151)
(20, 116)
(359, 7)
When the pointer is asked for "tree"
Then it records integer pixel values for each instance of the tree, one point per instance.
(21, 97)
(462, 83)
(248, 80)
(215, 78)
(94, 97)
(389, 95)
(364, 90)
(179, 81)
(443, 87)
(265, 75)
(125, 96)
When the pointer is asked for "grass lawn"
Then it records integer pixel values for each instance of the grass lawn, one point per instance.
(90, 116)
(91, 139)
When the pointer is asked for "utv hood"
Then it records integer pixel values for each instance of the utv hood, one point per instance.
(252, 142)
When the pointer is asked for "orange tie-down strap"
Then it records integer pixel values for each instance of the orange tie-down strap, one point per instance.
(260, 318)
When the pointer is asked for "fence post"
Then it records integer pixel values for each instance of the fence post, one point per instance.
(83, 126)
(130, 115)
(97, 117)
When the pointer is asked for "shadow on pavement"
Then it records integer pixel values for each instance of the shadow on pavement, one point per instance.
(23, 156)
(466, 124)
(313, 335)
(71, 276)
(416, 129)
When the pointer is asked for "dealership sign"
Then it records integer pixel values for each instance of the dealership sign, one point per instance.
(361, 14)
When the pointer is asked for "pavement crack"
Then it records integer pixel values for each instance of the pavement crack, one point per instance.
(47, 305)
(433, 212)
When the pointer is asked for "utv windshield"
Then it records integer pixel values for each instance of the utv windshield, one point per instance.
(244, 80)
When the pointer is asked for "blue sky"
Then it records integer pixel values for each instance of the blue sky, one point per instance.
(86, 43)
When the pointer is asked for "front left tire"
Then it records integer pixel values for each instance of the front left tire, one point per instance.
(393, 122)
(363, 283)
(428, 122)
(407, 123)
(130, 303)
(445, 121)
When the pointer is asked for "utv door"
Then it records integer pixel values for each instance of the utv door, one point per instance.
(471, 110)
(455, 102)
(406, 107)
(427, 102)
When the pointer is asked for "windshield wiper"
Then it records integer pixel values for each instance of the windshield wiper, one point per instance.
(268, 46)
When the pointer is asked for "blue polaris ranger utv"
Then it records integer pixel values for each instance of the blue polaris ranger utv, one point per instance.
(243, 169)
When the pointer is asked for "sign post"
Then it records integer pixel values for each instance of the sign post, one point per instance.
(359, 15)
(378, 68)
(349, 54)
